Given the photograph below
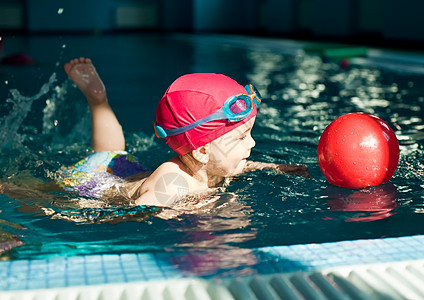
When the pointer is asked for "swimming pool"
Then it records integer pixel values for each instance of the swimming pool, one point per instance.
(302, 95)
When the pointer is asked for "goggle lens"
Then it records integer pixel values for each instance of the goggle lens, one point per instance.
(238, 106)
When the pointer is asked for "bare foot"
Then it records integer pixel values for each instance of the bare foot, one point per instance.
(82, 72)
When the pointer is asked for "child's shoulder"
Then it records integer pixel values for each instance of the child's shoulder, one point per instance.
(174, 164)
(169, 171)
(166, 184)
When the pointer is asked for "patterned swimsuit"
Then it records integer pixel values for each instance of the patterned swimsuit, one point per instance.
(99, 172)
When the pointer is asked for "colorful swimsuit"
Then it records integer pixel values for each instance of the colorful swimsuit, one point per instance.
(99, 172)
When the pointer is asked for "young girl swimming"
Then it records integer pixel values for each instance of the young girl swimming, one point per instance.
(206, 118)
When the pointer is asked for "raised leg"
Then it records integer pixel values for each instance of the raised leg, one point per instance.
(106, 134)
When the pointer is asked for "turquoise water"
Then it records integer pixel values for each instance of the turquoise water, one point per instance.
(44, 125)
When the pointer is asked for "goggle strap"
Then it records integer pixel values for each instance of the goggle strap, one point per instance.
(215, 116)
(253, 93)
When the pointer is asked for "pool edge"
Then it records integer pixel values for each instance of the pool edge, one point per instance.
(137, 273)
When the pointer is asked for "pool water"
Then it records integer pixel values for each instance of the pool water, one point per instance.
(45, 125)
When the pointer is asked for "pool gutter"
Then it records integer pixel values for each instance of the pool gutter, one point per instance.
(362, 269)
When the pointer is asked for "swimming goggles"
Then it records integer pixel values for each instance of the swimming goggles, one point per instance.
(235, 109)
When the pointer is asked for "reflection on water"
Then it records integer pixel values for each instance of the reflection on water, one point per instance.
(213, 262)
(8, 241)
(302, 95)
(370, 204)
(219, 221)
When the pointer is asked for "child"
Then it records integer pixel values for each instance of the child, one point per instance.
(206, 118)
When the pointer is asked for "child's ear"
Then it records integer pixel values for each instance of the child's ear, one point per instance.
(201, 154)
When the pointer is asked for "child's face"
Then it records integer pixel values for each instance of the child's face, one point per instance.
(228, 153)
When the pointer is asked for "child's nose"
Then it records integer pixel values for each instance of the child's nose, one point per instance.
(252, 142)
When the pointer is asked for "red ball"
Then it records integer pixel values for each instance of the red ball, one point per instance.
(358, 150)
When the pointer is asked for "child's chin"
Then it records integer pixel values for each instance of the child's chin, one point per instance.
(240, 167)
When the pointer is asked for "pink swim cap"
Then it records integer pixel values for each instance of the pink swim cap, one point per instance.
(192, 97)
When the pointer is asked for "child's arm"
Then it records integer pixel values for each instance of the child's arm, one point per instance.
(298, 170)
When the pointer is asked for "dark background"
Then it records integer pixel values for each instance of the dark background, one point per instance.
(386, 23)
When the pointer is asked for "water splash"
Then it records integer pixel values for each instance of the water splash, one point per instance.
(21, 106)
(43, 147)
(50, 123)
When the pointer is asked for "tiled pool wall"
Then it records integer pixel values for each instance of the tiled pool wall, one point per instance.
(60, 272)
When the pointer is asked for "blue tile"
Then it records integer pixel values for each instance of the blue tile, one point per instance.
(56, 283)
(110, 258)
(19, 267)
(135, 277)
(113, 267)
(149, 267)
(99, 269)
(146, 258)
(93, 259)
(156, 276)
(72, 281)
(132, 270)
(74, 262)
(173, 274)
(115, 278)
(92, 280)
(37, 283)
(19, 285)
(128, 260)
